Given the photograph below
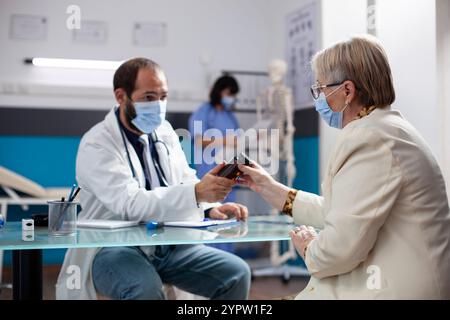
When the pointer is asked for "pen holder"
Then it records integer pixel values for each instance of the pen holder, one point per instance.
(62, 218)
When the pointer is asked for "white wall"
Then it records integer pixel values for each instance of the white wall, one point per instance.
(340, 20)
(277, 18)
(407, 29)
(233, 33)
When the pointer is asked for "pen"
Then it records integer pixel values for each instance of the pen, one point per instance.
(75, 194)
(71, 191)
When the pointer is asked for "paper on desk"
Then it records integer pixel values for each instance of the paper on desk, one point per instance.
(197, 224)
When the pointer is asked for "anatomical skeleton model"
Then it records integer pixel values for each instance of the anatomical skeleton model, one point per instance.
(276, 104)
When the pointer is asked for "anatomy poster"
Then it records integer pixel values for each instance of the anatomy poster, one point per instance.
(302, 44)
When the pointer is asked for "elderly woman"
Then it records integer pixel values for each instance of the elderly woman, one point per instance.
(384, 216)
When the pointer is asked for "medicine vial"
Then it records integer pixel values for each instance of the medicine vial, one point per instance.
(27, 224)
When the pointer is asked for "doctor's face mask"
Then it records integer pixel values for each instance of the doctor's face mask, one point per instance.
(147, 115)
(145, 107)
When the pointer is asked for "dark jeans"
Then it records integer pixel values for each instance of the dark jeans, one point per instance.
(128, 273)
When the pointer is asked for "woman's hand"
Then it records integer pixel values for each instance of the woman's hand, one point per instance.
(260, 181)
(255, 177)
(301, 238)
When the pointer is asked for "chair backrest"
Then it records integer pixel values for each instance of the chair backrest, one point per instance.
(17, 182)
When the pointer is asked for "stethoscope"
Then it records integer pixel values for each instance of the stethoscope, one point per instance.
(155, 163)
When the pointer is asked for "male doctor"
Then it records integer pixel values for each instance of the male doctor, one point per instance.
(131, 166)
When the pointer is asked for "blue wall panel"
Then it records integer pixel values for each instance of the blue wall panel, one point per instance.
(49, 161)
(306, 152)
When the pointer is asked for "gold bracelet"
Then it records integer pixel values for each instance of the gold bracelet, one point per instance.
(287, 208)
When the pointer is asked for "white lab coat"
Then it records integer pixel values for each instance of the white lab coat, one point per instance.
(109, 191)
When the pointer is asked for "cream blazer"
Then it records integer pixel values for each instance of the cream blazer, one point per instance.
(384, 216)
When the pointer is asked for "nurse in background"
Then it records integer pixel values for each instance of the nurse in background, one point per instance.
(216, 114)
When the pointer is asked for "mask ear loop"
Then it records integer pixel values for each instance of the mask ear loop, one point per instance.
(128, 114)
(345, 107)
(127, 111)
(346, 103)
(334, 91)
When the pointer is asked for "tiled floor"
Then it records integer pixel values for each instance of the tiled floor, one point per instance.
(262, 288)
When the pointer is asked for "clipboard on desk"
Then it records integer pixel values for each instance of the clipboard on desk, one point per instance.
(198, 224)
(106, 224)
(189, 224)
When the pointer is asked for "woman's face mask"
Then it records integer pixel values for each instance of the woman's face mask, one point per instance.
(332, 118)
(149, 115)
(228, 102)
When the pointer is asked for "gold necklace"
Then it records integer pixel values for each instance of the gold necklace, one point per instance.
(365, 112)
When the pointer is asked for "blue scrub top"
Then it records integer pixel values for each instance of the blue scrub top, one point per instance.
(211, 118)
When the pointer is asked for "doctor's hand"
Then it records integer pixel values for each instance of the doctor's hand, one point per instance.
(229, 210)
(212, 188)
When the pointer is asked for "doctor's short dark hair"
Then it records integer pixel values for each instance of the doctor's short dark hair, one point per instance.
(224, 82)
(125, 76)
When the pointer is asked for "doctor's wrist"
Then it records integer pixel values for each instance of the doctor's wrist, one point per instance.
(199, 192)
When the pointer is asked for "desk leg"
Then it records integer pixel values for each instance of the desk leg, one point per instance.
(27, 274)
(3, 207)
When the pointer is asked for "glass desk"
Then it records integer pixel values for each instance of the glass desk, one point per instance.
(27, 249)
